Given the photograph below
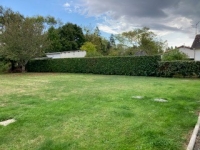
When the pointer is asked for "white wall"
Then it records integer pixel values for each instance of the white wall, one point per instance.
(197, 55)
(187, 51)
(54, 56)
(67, 54)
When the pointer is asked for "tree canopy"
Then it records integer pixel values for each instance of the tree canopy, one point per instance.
(90, 49)
(141, 39)
(22, 38)
(65, 38)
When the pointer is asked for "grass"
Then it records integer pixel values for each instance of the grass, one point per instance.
(81, 112)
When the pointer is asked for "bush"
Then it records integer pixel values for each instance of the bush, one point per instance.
(4, 67)
(179, 68)
(90, 49)
(138, 66)
(174, 54)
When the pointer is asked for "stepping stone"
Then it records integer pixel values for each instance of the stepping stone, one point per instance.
(138, 97)
(7, 122)
(160, 100)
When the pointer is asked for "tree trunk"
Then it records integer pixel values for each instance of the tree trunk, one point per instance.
(12, 65)
(23, 68)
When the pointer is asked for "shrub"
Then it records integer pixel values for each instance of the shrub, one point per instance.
(179, 68)
(4, 67)
(138, 66)
(90, 49)
(174, 54)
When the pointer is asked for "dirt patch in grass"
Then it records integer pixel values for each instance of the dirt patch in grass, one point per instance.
(2, 105)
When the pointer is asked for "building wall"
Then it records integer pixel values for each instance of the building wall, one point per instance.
(197, 55)
(187, 51)
(67, 54)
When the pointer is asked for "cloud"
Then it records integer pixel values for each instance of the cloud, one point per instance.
(66, 5)
(162, 16)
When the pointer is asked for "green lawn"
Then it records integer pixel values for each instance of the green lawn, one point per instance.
(96, 112)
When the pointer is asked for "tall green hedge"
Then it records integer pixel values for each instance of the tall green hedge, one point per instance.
(138, 66)
(179, 68)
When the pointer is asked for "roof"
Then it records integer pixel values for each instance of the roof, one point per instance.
(53, 53)
(183, 46)
(196, 43)
(140, 53)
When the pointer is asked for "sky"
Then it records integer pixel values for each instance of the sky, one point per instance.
(172, 20)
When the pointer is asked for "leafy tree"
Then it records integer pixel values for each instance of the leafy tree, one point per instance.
(65, 38)
(174, 54)
(54, 37)
(97, 32)
(23, 38)
(141, 39)
(105, 46)
(94, 36)
(112, 41)
(90, 49)
(71, 37)
(114, 52)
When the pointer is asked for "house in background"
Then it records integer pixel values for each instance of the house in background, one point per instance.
(196, 47)
(140, 53)
(66, 54)
(192, 52)
(187, 50)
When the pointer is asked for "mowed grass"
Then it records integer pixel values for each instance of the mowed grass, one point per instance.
(96, 112)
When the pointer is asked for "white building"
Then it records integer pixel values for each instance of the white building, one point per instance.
(187, 50)
(196, 47)
(66, 54)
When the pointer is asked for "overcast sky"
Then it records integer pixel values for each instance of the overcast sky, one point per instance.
(171, 20)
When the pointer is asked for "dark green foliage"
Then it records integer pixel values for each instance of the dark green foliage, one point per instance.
(54, 37)
(65, 38)
(137, 66)
(179, 68)
(71, 37)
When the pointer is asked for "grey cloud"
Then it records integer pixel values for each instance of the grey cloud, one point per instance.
(189, 9)
(151, 13)
(140, 8)
(163, 27)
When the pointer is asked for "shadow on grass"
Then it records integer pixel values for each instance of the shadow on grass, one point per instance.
(52, 145)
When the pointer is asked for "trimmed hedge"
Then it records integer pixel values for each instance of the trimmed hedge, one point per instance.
(179, 69)
(137, 66)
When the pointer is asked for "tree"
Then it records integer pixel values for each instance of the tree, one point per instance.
(112, 41)
(54, 37)
(141, 39)
(71, 37)
(105, 46)
(65, 38)
(23, 38)
(94, 36)
(174, 54)
(97, 32)
(90, 49)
